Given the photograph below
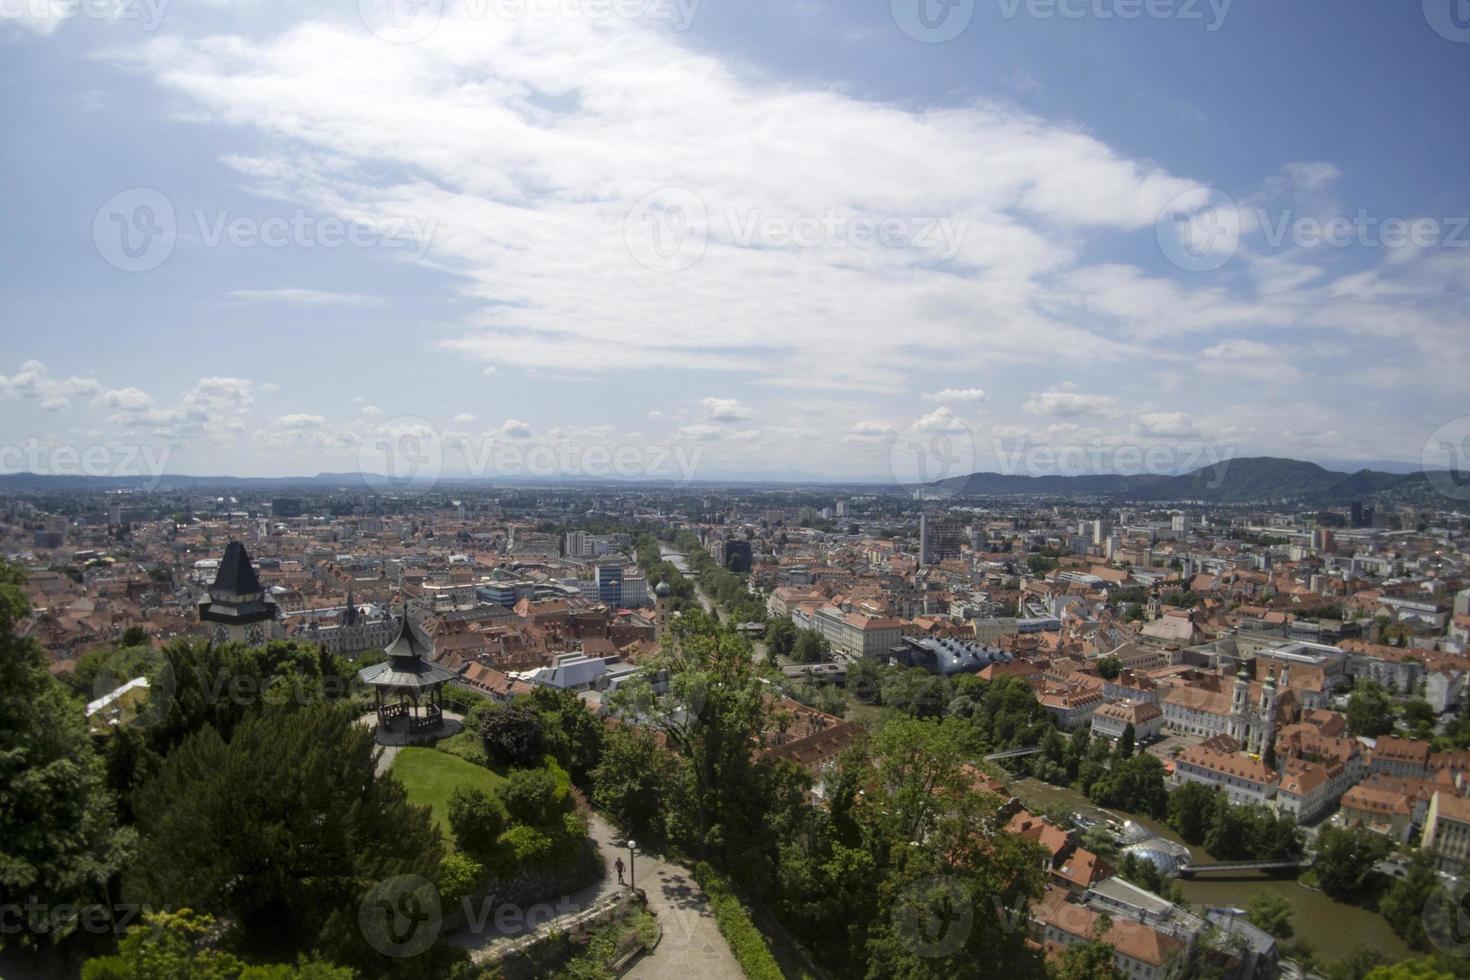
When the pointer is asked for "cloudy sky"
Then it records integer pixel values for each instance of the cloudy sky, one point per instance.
(790, 239)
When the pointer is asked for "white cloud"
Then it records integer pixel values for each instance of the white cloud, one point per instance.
(958, 395)
(35, 381)
(300, 421)
(1166, 425)
(465, 418)
(940, 420)
(124, 399)
(699, 432)
(515, 429)
(531, 141)
(1065, 403)
(306, 297)
(725, 410)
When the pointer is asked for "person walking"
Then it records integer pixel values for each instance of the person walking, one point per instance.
(619, 866)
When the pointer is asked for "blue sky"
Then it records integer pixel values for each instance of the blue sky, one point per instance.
(804, 239)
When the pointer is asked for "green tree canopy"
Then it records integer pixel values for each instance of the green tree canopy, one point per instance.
(282, 829)
(58, 842)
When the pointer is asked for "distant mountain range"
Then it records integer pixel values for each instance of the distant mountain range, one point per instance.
(1258, 479)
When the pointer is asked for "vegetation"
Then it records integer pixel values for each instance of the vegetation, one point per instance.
(1270, 912)
(170, 945)
(745, 939)
(1344, 865)
(58, 839)
(431, 778)
(275, 830)
(1369, 712)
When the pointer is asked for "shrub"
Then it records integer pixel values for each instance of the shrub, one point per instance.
(477, 819)
(459, 875)
(739, 931)
(533, 796)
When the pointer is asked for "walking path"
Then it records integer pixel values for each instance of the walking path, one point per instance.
(691, 943)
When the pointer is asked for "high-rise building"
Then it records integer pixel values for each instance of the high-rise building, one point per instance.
(738, 555)
(610, 583)
(940, 537)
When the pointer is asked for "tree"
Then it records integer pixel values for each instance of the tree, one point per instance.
(1109, 667)
(572, 733)
(513, 733)
(477, 819)
(283, 830)
(811, 647)
(1126, 742)
(714, 711)
(1369, 712)
(780, 636)
(134, 636)
(1092, 960)
(630, 782)
(1345, 860)
(177, 946)
(531, 796)
(57, 838)
(1403, 905)
(1271, 912)
(1135, 784)
(1192, 810)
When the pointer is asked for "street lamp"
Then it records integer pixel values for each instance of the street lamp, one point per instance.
(632, 860)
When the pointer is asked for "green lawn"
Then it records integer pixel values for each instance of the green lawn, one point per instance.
(430, 776)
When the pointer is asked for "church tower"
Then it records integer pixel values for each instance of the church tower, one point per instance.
(1266, 729)
(237, 610)
(1240, 707)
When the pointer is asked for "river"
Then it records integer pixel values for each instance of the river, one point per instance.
(681, 561)
(1330, 928)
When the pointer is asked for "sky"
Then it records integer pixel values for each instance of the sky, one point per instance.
(708, 239)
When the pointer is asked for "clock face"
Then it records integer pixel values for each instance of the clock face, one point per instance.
(255, 635)
(221, 633)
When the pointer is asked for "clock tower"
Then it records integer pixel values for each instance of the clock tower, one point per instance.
(237, 610)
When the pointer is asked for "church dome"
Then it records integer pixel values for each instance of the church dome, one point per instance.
(663, 589)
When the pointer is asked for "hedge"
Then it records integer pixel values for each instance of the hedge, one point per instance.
(745, 940)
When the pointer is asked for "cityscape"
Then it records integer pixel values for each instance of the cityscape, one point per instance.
(504, 489)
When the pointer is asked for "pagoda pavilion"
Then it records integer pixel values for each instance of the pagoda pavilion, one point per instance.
(407, 685)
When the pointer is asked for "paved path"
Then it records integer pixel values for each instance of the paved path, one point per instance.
(691, 945)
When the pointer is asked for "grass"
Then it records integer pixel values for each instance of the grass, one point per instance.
(431, 776)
